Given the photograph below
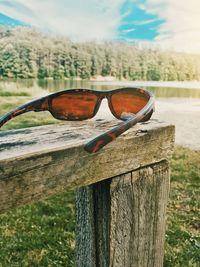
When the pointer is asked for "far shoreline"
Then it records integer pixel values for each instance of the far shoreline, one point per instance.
(177, 84)
(109, 80)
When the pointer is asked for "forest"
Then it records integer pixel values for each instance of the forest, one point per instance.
(28, 53)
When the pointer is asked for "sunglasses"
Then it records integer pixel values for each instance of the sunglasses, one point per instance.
(131, 105)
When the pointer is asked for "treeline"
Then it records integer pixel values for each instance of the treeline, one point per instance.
(27, 53)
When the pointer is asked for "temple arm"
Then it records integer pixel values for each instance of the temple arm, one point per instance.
(40, 104)
(100, 141)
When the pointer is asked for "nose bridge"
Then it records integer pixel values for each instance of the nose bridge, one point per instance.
(106, 98)
(105, 95)
(102, 97)
(103, 110)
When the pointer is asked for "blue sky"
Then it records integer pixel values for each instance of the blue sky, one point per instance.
(8, 21)
(137, 23)
(167, 23)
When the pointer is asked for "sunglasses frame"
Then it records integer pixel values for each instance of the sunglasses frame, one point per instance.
(45, 104)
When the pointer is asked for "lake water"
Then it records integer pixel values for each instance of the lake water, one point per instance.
(176, 102)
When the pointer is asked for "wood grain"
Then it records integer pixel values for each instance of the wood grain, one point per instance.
(138, 209)
(93, 225)
(38, 162)
(85, 228)
(128, 227)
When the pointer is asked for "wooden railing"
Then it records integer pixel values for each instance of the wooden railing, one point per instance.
(122, 191)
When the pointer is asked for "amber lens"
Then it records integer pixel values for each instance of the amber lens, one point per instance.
(74, 105)
(128, 102)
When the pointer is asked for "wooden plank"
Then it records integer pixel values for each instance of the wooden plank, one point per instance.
(93, 225)
(85, 227)
(134, 221)
(138, 210)
(39, 162)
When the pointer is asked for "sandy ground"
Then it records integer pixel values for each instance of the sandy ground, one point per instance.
(183, 113)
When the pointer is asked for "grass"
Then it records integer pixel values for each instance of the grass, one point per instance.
(7, 93)
(183, 226)
(42, 234)
(39, 235)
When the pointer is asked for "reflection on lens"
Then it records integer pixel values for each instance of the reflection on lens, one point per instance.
(128, 101)
(74, 106)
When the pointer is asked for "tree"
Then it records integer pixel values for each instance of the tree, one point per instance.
(28, 53)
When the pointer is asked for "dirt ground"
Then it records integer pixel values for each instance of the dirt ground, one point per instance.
(184, 113)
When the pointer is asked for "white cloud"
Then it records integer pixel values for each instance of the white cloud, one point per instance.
(100, 19)
(80, 20)
(144, 22)
(129, 30)
(181, 29)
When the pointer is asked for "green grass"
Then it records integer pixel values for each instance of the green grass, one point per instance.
(183, 225)
(8, 93)
(39, 235)
(42, 234)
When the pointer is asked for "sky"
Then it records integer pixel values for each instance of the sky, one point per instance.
(169, 24)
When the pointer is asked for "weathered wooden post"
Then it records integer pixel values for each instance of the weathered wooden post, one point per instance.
(121, 221)
(121, 205)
